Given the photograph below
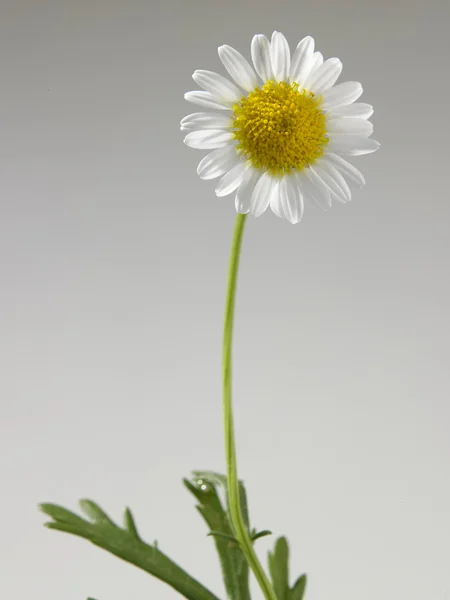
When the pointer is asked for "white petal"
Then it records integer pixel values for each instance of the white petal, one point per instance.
(349, 126)
(345, 168)
(336, 174)
(238, 67)
(280, 56)
(333, 189)
(262, 194)
(291, 199)
(318, 194)
(301, 60)
(206, 100)
(261, 57)
(334, 179)
(359, 110)
(245, 190)
(320, 187)
(325, 76)
(206, 120)
(231, 180)
(316, 63)
(208, 139)
(218, 162)
(352, 145)
(341, 94)
(275, 203)
(217, 85)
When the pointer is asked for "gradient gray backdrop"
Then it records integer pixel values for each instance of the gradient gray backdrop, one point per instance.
(113, 263)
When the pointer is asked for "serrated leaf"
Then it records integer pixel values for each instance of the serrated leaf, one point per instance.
(279, 568)
(298, 590)
(124, 544)
(234, 566)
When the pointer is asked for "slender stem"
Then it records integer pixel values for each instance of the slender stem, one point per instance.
(240, 530)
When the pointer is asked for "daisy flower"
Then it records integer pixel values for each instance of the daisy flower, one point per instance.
(278, 132)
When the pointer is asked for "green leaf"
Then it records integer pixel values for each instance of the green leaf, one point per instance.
(95, 513)
(125, 544)
(298, 591)
(279, 568)
(131, 525)
(224, 536)
(221, 481)
(260, 534)
(58, 513)
(234, 566)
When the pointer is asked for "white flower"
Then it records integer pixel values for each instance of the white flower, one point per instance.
(278, 133)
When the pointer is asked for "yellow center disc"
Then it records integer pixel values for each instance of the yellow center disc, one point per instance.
(280, 128)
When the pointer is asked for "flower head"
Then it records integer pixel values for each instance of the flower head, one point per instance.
(279, 130)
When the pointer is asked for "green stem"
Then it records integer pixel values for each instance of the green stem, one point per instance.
(239, 528)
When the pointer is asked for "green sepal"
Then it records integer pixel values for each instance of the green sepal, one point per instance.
(235, 570)
(126, 544)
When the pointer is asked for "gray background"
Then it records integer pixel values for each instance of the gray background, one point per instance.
(113, 260)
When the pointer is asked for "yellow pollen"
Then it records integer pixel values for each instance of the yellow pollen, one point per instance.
(280, 128)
